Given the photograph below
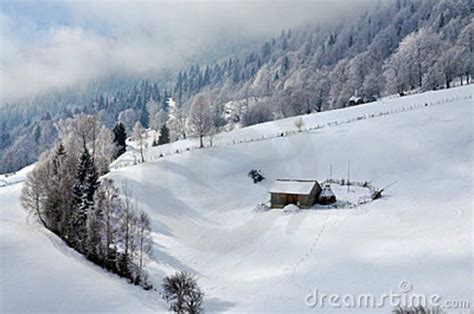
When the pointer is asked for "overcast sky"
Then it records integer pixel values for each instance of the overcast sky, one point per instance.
(53, 44)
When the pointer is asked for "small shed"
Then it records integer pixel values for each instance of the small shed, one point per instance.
(304, 193)
(355, 100)
(327, 196)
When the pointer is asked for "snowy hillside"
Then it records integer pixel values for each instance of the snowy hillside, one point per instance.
(202, 206)
(202, 201)
(39, 273)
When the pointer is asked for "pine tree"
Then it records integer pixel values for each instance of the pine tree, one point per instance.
(37, 134)
(95, 233)
(86, 183)
(4, 136)
(164, 135)
(120, 136)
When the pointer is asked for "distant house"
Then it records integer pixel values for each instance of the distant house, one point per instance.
(304, 193)
(355, 100)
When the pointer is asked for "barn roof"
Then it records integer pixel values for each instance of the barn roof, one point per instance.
(355, 98)
(287, 186)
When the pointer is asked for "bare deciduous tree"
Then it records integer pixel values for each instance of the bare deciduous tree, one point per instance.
(144, 242)
(200, 117)
(299, 124)
(139, 138)
(32, 195)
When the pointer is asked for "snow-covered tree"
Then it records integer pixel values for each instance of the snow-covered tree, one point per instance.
(120, 137)
(107, 199)
(153, 108)
(450, 64)
(372, 86)
(182, 293)
(416, 53)
(434, 78)
(139, 138)
(94, 248)
(466, 41)
(144, 241)
(33, 194)
(259, 113)
(78, 132)
(340, 91)
(85, 185)
(164, 135)
(125, 232)
(200, 118)
(129, 118)
(58, 185)
(105, 150)
(177, 126)
(299, 124)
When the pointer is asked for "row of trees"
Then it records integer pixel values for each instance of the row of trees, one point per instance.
(65, 193)
(424, 60)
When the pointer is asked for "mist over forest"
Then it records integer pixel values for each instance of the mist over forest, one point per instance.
(254, 63)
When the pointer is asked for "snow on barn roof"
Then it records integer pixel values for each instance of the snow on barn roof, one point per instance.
(288, 186)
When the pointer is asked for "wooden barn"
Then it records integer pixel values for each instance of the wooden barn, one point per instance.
(355, 100)
(304, 193)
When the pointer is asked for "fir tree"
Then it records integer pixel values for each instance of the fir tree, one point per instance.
(4, 136)
(120, 136)
(164, 135)
(37, 134)
(86, 183)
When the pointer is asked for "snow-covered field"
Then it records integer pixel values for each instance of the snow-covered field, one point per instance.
(40, 274)
(202, 204)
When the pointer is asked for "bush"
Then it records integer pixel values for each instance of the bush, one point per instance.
(182, 293)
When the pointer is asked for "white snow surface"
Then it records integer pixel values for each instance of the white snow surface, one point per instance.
(202, 203)
(291, 208)
(40, 274)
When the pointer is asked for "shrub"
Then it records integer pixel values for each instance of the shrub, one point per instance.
(182, 293)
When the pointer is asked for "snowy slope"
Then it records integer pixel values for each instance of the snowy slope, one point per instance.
(202, 203)
(202, 206)
(312, 123)
(41, 274)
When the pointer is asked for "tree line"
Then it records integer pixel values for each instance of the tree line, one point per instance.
(394, 47)
(66, 192)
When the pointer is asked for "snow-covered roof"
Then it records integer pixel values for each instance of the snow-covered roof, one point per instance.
(327, 192)
(300, 187)
(354, 98)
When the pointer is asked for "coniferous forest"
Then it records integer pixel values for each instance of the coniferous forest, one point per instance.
(396, 47)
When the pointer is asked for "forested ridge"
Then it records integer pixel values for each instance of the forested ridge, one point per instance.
(394, 48)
